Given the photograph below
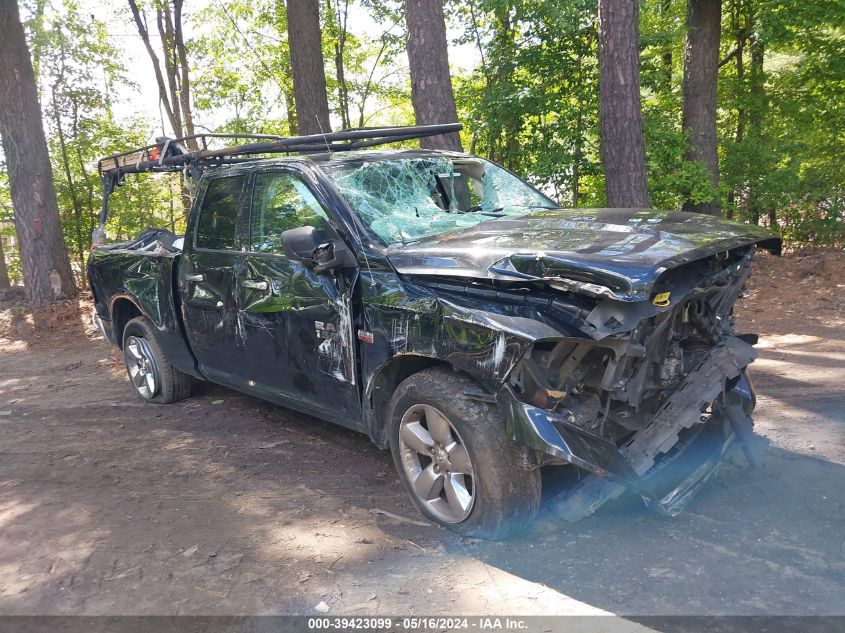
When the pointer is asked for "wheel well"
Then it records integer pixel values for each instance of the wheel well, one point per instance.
(385, 383)
(122, 312)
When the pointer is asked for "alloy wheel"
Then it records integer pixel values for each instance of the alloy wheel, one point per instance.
(142, 368)
(437, 464)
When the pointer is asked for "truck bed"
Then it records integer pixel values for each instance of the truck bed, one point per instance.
(138, 277)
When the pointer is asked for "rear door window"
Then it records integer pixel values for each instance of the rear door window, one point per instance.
(221, 206)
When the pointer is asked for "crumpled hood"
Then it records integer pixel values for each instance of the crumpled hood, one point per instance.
(623, 250)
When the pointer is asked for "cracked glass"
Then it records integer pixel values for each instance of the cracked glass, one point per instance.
(403, 199)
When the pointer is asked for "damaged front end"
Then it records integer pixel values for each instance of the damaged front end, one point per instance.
(652, 401)
(611, 337)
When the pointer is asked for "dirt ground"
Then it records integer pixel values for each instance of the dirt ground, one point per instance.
(224, 504)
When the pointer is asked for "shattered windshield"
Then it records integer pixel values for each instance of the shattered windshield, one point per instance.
(404, 199)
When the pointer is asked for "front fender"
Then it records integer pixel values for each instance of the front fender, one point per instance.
(474, 333)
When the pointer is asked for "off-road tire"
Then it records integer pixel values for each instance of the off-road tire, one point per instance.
(174, 384)
(507, 486)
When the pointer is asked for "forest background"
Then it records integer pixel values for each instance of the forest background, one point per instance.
(525, 75)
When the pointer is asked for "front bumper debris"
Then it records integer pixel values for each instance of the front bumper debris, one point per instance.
(635, 464)
(550, 433)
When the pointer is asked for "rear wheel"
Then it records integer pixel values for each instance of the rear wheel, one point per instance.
(151, 374)
(456, 460)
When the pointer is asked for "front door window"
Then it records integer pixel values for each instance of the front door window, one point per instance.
(281, 201)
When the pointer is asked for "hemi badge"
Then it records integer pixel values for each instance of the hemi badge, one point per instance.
(661, 300)
(366, 337)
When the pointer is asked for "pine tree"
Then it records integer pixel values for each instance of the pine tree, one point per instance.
(46, 269)
(431, 82)
(701, 67)
(622, 146)
(306, 58)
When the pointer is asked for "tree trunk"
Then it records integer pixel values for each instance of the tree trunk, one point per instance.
(342, 94)
(140, 22)
(174, 84)
(740, 75)
(666, 55)
(622, 146)
(741, 35)
(306, 59)
(184, 74)
(4, 273)
(46, 269)
(77, 204)
(342, 17)
(164, 22)
(174, 87)
(757, 107)
(701, 67)
(431, 82)
(501, 78)
(81, 241)
(91, 213)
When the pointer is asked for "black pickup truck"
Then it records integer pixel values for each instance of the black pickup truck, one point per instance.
(453, 313)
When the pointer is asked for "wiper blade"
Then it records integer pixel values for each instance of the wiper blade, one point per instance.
(495, 213)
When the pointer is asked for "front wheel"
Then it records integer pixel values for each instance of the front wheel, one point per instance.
(456, 460)
(151, 374)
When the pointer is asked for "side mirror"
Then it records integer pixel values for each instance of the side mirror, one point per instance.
(306, 245)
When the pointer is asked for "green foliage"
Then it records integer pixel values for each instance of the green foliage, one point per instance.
(531, 103)
(375, 89)
(7, 230)
(242, 66)
(783, 120)
(821, 226)
(78, 71)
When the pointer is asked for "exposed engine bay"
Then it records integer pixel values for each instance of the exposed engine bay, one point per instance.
(627, 404)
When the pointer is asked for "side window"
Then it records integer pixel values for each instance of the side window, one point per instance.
(281, 201)
(221, 205)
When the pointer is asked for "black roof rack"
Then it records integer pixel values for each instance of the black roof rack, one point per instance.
(168, 155)
(175, 155)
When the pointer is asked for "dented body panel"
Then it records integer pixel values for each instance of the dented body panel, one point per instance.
(604, 338)
(146, 282)
(623, 251)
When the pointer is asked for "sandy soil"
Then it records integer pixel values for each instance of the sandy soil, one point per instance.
(223, 504)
